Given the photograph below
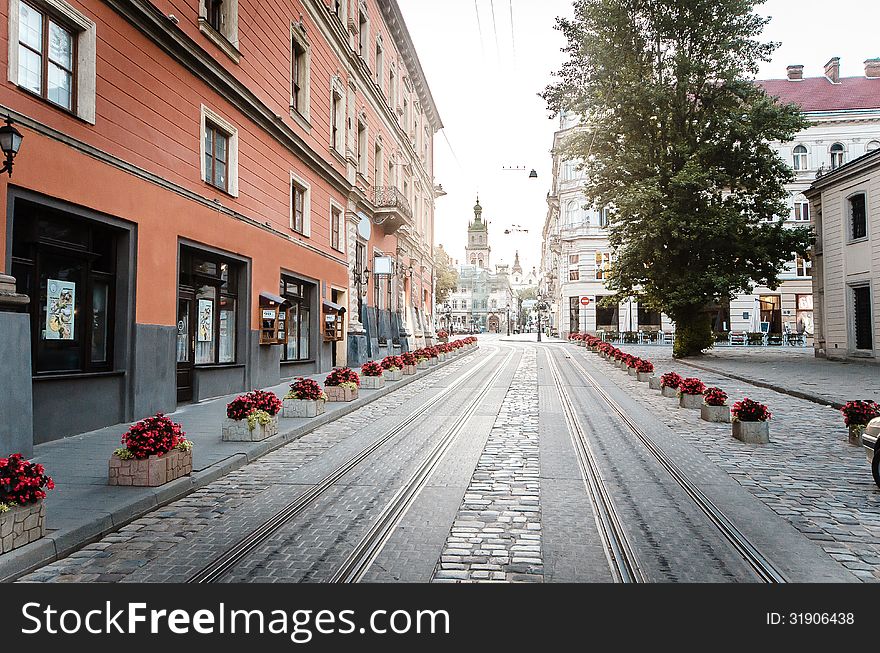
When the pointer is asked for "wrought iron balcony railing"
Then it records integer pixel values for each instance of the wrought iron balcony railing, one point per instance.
(388, 197)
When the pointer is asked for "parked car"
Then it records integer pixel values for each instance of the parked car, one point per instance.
(871, 441)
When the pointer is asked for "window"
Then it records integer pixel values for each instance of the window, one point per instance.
(571, 213)
(803, 267)
(363, 32)
(218, 21)
(872, 146)
(46, 57)
(603, 265)
(219, 148)
(569, 170)
(216, 157)
(574, 274)
(300, 71)
(380, 63)
(838, 155)
(392, 87)
(211, 282)
(299, 328)
(337, 120)
(607, 319)
(800, 158)
(336, 228)
(801, 211)
(649, 319)
(300, 206)
(378, 165)
(858, 216)
(604, 217)
(67, 265)
(362, 154)
(863, 332)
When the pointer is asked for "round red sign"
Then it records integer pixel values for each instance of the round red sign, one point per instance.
(586, 301)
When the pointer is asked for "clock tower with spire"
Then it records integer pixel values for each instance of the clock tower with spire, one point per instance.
(477, 252)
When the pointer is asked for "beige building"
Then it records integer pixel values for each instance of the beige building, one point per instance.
(846, 272)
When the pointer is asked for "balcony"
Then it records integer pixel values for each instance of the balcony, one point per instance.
(392, 209)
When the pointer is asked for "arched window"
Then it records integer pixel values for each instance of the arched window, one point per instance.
(571, 213)
(872, 146)
(838, 154)
(800, 158)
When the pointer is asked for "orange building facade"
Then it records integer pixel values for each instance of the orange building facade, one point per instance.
(211, 196)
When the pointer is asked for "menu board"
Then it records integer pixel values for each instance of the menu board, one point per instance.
(205, 331)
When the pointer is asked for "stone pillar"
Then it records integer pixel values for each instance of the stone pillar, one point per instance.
(16, 401)
(356, 338)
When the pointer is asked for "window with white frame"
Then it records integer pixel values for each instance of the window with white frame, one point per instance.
(219, 152)
(300, 73)
(801, 210)
(572, 209)
(300, 205)
(862, 328)
(378, 164)
(574, 272)
(569, 170)
(337, 117)
(337, 227)
(603, 265)
(362, 154)
(218, 20)
(52, 54)
(380, 62)
(801, 157)
(803, 266)
(838, 156)
(363, 31)
(604, 217)
(392, 86)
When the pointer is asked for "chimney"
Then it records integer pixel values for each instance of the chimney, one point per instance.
(832, 70)
(872, 68)
(795, 72)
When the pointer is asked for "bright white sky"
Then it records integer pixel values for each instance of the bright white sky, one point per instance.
(486, 90)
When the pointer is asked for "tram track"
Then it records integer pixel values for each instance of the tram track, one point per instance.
(221, 565)
(761, 566)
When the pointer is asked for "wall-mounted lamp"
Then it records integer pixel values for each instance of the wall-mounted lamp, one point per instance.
(361, 278)
(10, 143)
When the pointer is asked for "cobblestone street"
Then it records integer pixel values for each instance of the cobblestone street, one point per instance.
(505, 499)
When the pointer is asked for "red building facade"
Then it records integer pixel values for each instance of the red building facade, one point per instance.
(188, 166)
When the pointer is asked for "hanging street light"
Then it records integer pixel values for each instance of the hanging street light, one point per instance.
(10, 143)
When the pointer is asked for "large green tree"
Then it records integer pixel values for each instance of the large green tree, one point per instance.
(447, 276)
(676, 141)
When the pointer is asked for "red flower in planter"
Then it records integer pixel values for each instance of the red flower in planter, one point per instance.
(392, 362)
(409, 358)
(340, 376)
(239, 408)
(750, 411)
(671, 380)
(306, 390)
(432, 352)
(154, 436)
(644, 367)
(691, 387)
(860, 413)
(268, 402)
(715, 397)
(372, 369)
(442, 333)
(22, 482)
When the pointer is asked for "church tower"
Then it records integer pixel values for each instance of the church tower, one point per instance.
(517, 268)
(478, 251)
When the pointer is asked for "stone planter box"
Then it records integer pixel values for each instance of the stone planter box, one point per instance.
(671, 393)
(396, 375)
(301, 408)
(150, 472)
(621, 365)
(632, 371)
(855, 434)
(423, 365)
(340, 394)
(433, 362)
(693, 402)
(22, 525)
(595, 350)
(372, 382)
(645, 377)
(409, 370)
(716, 414)
(241, 432)
(654, 383)
(752, 432)
(442, 357)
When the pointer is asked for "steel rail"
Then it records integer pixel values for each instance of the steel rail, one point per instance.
(222, 564)
(372, 543)
(763, 567)
(621, 557)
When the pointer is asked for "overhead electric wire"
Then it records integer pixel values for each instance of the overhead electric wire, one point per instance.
(480, 28)
(495, 29)
(512, 31)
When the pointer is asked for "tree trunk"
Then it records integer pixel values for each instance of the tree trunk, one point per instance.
(693, 332)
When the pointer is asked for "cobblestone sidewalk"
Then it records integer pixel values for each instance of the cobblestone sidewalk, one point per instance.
(496, 535)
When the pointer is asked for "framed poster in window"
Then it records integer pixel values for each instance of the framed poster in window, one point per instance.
(60, 303)
(205, 328)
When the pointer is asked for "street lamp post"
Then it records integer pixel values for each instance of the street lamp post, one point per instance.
(541, 307)
(508, 320)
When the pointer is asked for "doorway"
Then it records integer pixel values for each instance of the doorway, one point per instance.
(185, 345)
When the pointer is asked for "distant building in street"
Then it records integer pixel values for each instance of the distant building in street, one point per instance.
(484, 300)
(209, 202)
(845, 206)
